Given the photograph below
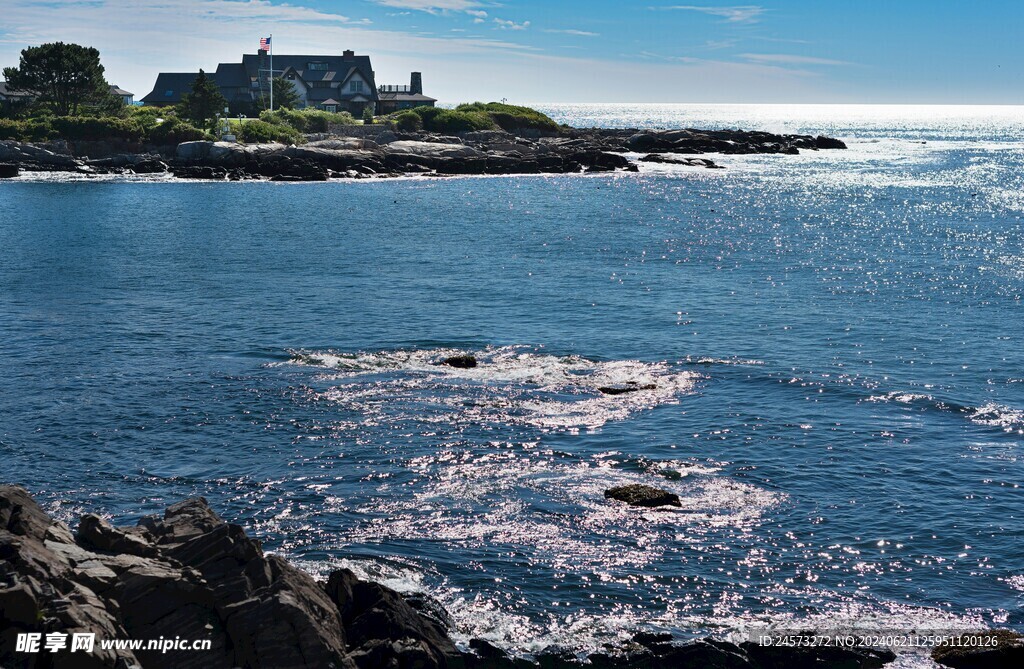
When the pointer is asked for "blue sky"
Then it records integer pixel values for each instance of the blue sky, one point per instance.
(895, 51)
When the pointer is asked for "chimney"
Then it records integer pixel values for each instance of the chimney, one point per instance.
(348, 54)
(416, 84)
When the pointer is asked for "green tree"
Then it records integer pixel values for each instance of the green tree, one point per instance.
(202, 105)
(285, 96)
(62, 76)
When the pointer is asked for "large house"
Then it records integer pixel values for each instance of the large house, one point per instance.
(394, 98)
(331, 83)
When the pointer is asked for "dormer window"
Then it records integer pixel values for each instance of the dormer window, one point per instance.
(317, 67)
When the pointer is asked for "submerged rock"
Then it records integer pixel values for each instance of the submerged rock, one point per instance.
(8, 171)
(642, 495)
(462, 361)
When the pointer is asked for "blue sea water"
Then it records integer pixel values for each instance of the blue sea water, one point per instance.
(834, 339)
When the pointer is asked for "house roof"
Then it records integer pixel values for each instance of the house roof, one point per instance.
(330, 101)
(169, 87)
(117, 90)
(232, 75)
(11, 93)
(236, 79)
(406, 97)
(334, 68)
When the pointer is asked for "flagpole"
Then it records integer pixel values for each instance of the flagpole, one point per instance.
(271, 71)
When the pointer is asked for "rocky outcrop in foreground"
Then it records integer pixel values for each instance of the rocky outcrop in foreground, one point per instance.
(191, 575)
(390, 154)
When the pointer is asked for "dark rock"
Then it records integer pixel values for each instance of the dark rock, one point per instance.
(670, 160)
(462, 361)
(289, 623)
(968, 651)
(199, 172)
(19, 514)
(8, 171)
(96, 533)
(822, 142)
(629, 387)
(642, 495)
(149, 167)
(384, 629)
(808, 657)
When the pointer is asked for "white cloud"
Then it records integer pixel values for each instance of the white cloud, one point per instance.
(511, 25)
(431, 5)
(790, 59)
(578, 33)
(479, 13)
(736, 14)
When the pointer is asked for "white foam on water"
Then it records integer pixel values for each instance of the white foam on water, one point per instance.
(511, 384)
(998, 415)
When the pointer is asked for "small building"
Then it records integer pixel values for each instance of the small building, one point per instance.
(12, 97)
(126, 97)
(9, 96)
(395, 98)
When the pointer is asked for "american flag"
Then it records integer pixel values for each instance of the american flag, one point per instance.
(264, 44)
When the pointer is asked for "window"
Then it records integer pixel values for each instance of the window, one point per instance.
(168, 94)
(320, 67)
(356, 86)
(320, 84)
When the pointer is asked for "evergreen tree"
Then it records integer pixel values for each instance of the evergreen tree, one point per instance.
(202, 105)
(285, 96)
(64, 77)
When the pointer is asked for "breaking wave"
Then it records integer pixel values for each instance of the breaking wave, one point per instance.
(1005, 418)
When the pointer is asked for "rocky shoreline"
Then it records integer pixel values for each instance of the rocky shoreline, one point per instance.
(389, 154)
(191, 575)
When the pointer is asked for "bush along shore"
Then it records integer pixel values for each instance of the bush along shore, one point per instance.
(190, 575)
(288, 145)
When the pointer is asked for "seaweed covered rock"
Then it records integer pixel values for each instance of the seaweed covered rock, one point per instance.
(642, 495)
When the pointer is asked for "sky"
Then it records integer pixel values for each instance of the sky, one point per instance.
(530, 51)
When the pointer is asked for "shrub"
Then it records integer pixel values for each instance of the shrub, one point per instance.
(457, 121)
(174, 131)
(258, 131)
(407, 121)
(320, 121)
(12, 129)
(38, 130)
(148, 117)
(428, 114)
(512, 118)
(286, 117)
(87, 128)
(367, 115)
(307, 120)
(436, 119)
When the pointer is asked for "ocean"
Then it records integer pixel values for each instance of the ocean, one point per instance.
(834, 341)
